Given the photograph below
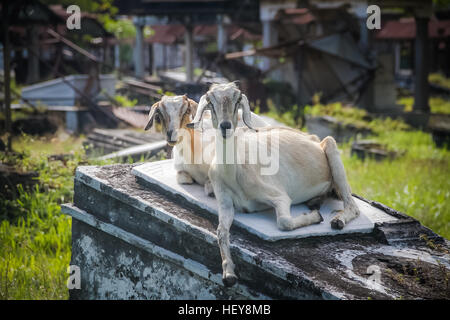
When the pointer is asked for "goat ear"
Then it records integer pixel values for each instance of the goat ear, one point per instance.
(151, 115)
(192, 106)
(246, 113)
(202, 106)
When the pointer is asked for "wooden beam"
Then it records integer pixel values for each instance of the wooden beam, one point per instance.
(72, 45)
(240, 54)
(421, 66)
(7, 76)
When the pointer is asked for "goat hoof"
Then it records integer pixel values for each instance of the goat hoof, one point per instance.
(229, 280)
(320, 217)
(337, 224)
(209, 191)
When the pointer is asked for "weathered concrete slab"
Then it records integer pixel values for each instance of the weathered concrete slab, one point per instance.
(137, 151)
(262, 224)
(121, 143)
(134, 242)
(162, 266)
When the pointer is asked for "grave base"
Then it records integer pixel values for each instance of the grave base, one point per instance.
(133, 242)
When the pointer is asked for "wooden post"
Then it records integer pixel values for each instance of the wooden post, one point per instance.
(270, 38)
(421, 68)
(33, 60)
(139, 52)
(299, 63)
(7, 78)
(189, 42)
(221, 35)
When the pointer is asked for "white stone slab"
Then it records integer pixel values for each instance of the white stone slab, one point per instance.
(263, 224)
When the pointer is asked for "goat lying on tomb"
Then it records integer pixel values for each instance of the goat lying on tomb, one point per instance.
(308, 169)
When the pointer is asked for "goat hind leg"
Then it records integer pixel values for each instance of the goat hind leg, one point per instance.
(340, 184)
(286, 222)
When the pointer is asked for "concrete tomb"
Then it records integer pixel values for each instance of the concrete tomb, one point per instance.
(136, 235)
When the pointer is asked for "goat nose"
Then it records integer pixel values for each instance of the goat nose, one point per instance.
(169, 134)
(225, 125)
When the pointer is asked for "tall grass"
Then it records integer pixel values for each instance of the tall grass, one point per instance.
(35, 238)
(35, 250)
(416, 182)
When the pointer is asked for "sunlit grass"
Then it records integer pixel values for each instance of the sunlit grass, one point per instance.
(439, 79)
(437, 104)
(415, 183)
(35, 238)
(35, 251)
(34, 235)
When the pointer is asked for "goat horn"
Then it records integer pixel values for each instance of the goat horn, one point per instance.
(203, 105)
(246, 114)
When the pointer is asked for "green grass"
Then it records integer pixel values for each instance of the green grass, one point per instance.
(439, 79)
(415, 183)
(437, 104)
(35, 251)
(290, 118)
(34, 236)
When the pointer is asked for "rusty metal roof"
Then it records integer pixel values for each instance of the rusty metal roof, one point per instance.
(171, 33)
(406, 29)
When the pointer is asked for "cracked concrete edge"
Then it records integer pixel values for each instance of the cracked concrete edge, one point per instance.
(86, 176)
(188, 264)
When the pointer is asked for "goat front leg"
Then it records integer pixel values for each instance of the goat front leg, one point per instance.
(340, 184)
(184, 178)
(226, 216)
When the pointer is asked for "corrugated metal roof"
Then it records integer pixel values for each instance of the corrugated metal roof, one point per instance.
(342, 46)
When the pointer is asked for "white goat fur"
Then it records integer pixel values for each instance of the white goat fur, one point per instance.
(308, 169)
(192, 151)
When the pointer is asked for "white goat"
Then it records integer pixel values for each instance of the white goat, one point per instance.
(192, 151)
(307, 170)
